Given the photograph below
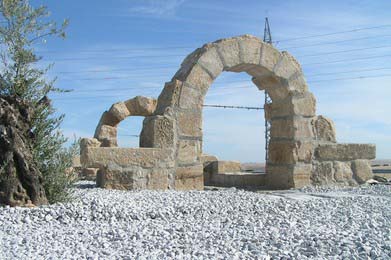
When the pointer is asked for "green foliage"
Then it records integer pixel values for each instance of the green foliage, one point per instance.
(22, 28)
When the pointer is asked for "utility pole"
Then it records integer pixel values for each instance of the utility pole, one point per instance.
(267, 38)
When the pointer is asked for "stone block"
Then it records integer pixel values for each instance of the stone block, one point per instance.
(185, 172)
(269, 56)
(125, 157)
(226, 166)
(323, 129)
(188, 151)
(119, 111)
(169, 97)
(322, 173)
(211, 61)
(108, 118)
(141, 106)
(250, 49)
(345, 152)
(119, 178)
(191, 98)
(189, 123)
(288, 176)
(229, 52)
(238, 179)
(158, 179)
(198, 78)
(287, 66)
(362, 171)
(343, 173)
(291, 128)
(196, 183)
(295, 104)
(157, 132)
(106, 132)
(290, 152)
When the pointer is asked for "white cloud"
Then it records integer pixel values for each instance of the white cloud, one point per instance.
(156, 7)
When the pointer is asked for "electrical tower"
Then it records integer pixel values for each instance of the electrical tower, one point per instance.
(267, 38)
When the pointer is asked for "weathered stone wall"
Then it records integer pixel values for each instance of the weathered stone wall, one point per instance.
(298, 149)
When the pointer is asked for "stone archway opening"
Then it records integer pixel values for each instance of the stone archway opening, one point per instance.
(128, 132)
(233, 145)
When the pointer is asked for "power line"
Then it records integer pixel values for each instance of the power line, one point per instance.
(349, 78)
(334, 42)
(234, 107)
(343, 60)
(334, 33)
(349, 71)
(344, 51)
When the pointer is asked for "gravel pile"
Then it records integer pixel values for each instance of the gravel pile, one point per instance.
(352, 223)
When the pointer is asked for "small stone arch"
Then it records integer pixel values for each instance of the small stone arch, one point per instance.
(106, 131)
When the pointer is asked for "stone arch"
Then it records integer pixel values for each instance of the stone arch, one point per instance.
(106, 131)
(302, 149)
(292, 111)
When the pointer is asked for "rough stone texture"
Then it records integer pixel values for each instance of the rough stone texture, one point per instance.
(141, 106)
(290, 152)
(158, 132)
(324, 129)
(362, 171)
(125, 157)
(345, 152)
(238, 180)
(21, 182)
(207, 161)
(226, 166)
(132, 178)
(300, 141)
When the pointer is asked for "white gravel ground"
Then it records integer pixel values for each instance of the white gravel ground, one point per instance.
(311, 223)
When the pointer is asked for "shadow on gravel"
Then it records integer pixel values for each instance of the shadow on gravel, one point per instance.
(85, 186)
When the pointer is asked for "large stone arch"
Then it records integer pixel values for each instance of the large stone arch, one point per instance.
(295, 130)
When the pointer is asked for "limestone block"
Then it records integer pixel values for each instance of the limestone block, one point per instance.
(250, 49)
(269, 56)
(119, 111)
(169, 97)
(345, 152)
(229, 52)
(158, 131)
(190, 123)
(343, 173)
(290, 152)
(191, 98)
(158, 179)
(226, 166)
(189, 62)
(288, 176)
(125, 157)
(86, 143)
(238, 179)
(122, 178)
(276, 87)
(196, 183)
(211, 61)
(198, 78)
(186, 172)
(188, 151)
(322, 173)
(141, 106)
(106, 132)
(287, 66)
(207, 161)
(295, 104)
(108, 118)
(362, 171)
(89, 173)
(291, 128)
(107, 135)
(297, 84)
(324, 129)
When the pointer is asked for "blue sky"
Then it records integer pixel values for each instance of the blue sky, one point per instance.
(116, 50)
